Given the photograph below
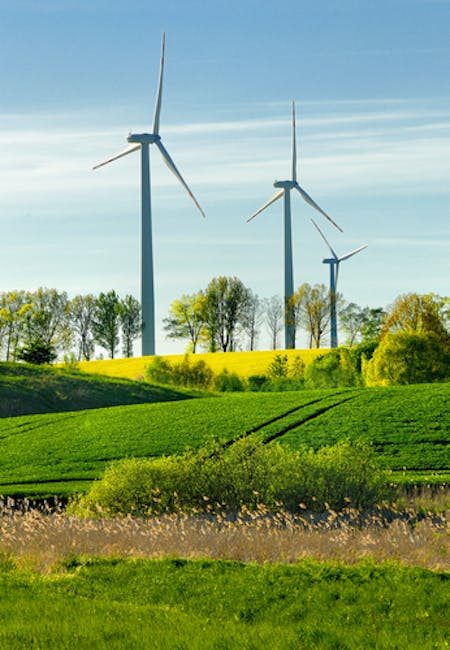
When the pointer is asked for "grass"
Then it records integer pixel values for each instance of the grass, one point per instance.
(175, 603)
(26, 389)
(242, 363)
(408, 426)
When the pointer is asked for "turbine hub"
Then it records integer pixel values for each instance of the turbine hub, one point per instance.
(143, 138)
(286, 185)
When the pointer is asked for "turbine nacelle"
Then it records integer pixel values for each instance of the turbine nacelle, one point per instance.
(286, 185)
(143, 138)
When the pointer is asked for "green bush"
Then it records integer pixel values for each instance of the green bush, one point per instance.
(229, 382)
(335, 369)
(185, 373)
(246, 474)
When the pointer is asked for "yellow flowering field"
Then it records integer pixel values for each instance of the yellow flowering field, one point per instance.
(242, 363)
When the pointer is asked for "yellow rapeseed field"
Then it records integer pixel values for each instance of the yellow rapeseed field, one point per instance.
(242, 363)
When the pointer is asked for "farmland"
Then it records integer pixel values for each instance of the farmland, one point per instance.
(242, 363)
(63, 452)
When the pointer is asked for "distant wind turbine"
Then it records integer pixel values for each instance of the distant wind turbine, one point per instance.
(286, 187)
(143, 141)
(334, 272)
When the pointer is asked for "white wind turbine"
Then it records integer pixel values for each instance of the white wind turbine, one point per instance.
(334, 273)
(286, 187)
(143, 141)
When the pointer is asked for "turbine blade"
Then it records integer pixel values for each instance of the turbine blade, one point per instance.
(357, 250)
(312, 203)
(160, 88)
(125, 152)
(294, 146)
(171, 165)
(325, 240)
(274, 198)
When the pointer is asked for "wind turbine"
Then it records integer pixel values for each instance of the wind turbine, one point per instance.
(334, 272)
(285, 191)
(143, 141)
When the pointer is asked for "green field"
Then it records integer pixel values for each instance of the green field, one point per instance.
(61, 453)
(215, 604)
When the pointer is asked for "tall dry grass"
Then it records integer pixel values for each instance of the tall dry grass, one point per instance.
(41, 540)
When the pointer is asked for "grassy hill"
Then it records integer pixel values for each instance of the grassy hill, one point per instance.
(28, 389)
(63, 452)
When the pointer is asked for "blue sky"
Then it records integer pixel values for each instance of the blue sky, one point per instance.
(371, 84)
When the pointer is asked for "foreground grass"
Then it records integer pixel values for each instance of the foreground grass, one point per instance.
(242, 363)
(26, 389)
(216, 604)
(58, 453)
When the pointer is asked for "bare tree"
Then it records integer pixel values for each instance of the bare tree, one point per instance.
(251, 318)
(274, 318)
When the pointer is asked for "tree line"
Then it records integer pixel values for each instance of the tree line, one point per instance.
(228, 316)
(36, 326)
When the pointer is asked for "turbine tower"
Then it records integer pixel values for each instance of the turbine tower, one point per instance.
(143, 141)
(334, 272)
(285, 191)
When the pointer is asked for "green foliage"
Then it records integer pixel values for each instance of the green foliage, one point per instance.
(246, 474)
(335, 369)
(37, 352)
(178, 603)
(408, 357)
(227, 381)
(224, 304)
(106, 321)
(278, 367)
(130, 320)
(193, 374)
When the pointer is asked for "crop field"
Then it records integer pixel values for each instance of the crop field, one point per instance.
(59, 452)
(242, 363)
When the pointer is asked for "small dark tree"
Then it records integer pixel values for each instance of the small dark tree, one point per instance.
(38, 352)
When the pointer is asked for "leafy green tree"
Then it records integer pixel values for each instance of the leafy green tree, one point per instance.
(413, 312)
(334, 369)
(106, 322)
(13, 306)
(314, 311)
(186, 319)
(130, 320)
(225, 301)
(81, 315)
(278, 367)
(408, 357)
(362, 324)
(46, 319)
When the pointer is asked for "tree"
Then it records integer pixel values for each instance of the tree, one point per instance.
(131, 322)
(251, 318)
(314, 311)
(225, 300)
(408, 357)
(274, 318)
(13, 306)
(186, 319)
(105, 325)
(415, 313)
(361, 324)
(81, 315)
(46, 319)
(38, 352)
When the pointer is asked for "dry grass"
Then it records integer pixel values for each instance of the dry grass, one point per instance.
(41, 540)
(242, 363)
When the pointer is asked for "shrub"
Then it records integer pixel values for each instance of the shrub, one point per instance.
(228, 381)
(408, 358)
(184, 373)
(248, 474)
(337, 368)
